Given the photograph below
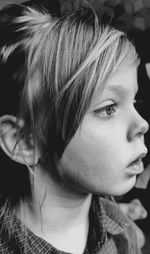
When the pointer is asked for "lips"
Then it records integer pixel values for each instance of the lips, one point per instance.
(136, 166)
(140, 156)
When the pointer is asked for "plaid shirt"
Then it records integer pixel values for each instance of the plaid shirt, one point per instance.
(110, 232)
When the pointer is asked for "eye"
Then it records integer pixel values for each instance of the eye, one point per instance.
(106, 112)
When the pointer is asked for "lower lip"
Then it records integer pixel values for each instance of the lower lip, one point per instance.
(136, 167)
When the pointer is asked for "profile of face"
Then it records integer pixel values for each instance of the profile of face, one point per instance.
(105, 154)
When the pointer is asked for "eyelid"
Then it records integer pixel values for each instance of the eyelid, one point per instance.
(104, 104)
(137, 103)
(102, 112)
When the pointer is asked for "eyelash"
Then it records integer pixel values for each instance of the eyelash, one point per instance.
(137, 104)
(103, 112)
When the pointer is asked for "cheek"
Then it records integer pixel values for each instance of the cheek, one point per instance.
(95, 160)
(86, 152)
(93, 149)
(89, 160)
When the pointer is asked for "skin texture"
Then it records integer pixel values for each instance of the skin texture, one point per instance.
(98, 156)
(95, 161)
(110, 136)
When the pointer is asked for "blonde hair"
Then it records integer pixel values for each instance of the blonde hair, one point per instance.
(65, 61)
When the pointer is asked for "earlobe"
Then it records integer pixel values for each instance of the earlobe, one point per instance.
(16, 148)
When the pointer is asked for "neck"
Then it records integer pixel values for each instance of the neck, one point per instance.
(54, 211)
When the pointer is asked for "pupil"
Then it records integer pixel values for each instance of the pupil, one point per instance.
(109, 110)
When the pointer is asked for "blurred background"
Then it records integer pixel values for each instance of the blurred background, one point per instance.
(132, 17)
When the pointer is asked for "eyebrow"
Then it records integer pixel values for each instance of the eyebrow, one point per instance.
(119, 90)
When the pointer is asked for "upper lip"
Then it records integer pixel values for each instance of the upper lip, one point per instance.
(139, 157)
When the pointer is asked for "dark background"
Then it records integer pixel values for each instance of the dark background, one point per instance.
(133, 17)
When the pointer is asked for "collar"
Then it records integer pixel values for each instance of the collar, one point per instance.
(114, 220)
(105, 218)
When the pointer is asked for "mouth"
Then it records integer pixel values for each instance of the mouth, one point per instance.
(136, 167)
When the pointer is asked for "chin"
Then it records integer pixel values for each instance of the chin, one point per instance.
(125, 187)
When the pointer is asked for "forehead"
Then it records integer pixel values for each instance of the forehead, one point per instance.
(122, 83)
(123, 80)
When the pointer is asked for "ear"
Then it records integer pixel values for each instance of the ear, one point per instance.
(147, 67)
(15, 148)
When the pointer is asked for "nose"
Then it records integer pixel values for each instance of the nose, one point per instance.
(139, 126)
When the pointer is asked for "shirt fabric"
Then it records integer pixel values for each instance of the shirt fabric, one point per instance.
(110, 232)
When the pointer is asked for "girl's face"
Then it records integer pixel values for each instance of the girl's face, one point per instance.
(105, 154)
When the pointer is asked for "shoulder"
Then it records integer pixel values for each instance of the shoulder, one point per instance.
(9, 232)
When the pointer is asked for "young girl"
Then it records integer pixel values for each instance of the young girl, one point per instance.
(69, 87)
